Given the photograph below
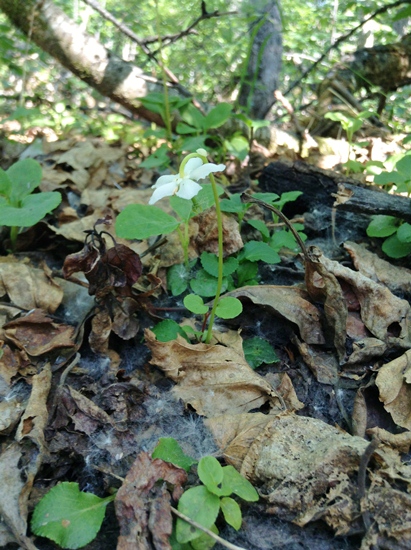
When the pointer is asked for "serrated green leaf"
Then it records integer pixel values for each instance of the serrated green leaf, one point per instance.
(283, 239)
(140, 221)
(382, 226)
(195, 304)
(239, 485)
(255, 251)
(228, 307)
(261, 227)
(168, 330)
(258, 351)
(232, 512)
(247, 271)
(169, 450)
(205, 284)
(209, 262)
(234, 204)
(33, 209)
(200, 505)
(25, 175)
(69, 517)
(210, 472)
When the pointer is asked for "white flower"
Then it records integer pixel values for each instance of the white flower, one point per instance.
(184, 185)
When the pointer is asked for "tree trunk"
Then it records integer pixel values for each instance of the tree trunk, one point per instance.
(264, 64)
(51, 29)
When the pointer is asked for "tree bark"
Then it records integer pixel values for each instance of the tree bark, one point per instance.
(55, 33)
(264, 65)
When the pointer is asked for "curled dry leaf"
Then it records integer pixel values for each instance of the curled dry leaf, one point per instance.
(387, 317)
(143, 506)
(28, 287)
(397, 279)
(323, 364)
(394, 384)
(290, 303)
(212, 379)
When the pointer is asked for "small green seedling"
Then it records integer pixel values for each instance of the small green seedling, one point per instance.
(18, 206)
(258, 351)
(68, 516)
(203, 503)
(397, 235)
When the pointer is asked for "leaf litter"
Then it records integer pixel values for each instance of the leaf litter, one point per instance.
(323, 434)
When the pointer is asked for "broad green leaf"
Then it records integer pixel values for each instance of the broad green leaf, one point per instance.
(237, 146)
(231, 512)
(283, 239)
(288, 196)
(255, 251)
(239, 485)
(205, 284)
(177, 278)
(266, 197)
(183, 129)
(193, 117)
(195, 304)
(204, 541)
(168, 330)
(261, 227)
(205, 198)
(169, 450)
(69, 517)
(158, 158)
(33, 209)
(209, 262)
(210, 472)
(394, 248)
(228, 307)
(234, 204)
(404, 233)
(258, 351)
(182, 207)
(200, 505)
(404, 166)
(217, 116)
(382, 226)
(140, 221)
(246, 272)
(25, 175)
(389, 178)
(5, 183)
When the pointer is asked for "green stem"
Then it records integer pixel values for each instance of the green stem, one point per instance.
(14, 231)
(184, 242)
(220, 259)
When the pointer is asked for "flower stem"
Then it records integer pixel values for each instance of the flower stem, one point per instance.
(220, 259)
(184, 242)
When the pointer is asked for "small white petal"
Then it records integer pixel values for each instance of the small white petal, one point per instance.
(188, 189)
(192, 164)
(166, 190)
(162, 180)
(206, 169)
(202, 152)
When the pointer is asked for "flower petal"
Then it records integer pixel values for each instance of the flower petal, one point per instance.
(188, 189)
(192, 164)
(166, 190)
(206, 169)
(162, 180)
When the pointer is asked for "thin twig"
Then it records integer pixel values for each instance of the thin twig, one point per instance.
(205, 530)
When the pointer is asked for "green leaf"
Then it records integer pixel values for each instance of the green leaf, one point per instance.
(237, 146)
(404, 233)
(158, 158)
(33, 209)
(266, 197)
(394, 248)
(182, 207)
(283, 239)
(195, 304)
(177, 278)
(168, 330)
(232, 512)
(288, 196)
(25, 175)
(382, 226)
(234, 204)
(228, 307)
(239, 485)
(209, 262)
(210, 472)
(389, 178)
(5, 184)
(184, 129)
(169, 450)
(69, 517)
(404, 166)
(205, 198)
(258, 351)
(200, 505)
(246, 272)
(205, 284)
(204, 541)
(254, 251)
(140, 221)
(261, 227)
(193, 117)
(217, 116)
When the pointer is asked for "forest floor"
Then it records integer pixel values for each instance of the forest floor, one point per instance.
(319, 425)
